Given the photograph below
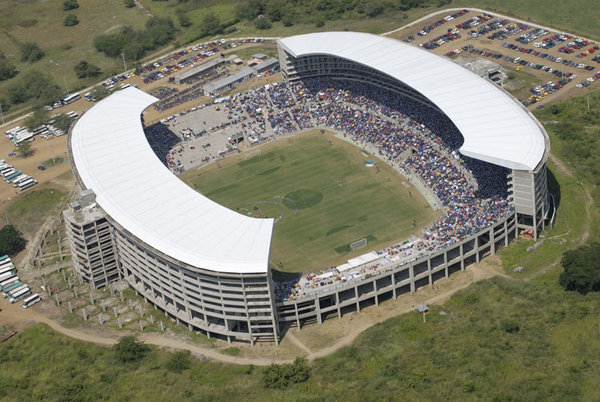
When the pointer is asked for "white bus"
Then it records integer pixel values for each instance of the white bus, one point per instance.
(21, 294)
(4, 257)
(6, 268)
(72, 115)
(9, 293)
(28, 183)
(21, 180)
(71, 98)
(10, 283)
(17, 178)
(6, 275)
(31, 300)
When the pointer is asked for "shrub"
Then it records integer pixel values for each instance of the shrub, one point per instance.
(30, 52)
(510, 326)
(262, 23)
(279, 376)
(581, 271)
(70, 5)
(129, 350)
(129, 3)
(7, 69)
(179, 361)
(83, 69)
(70, 20)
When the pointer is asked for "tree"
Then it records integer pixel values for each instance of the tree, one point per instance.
(99, 93)
(211, 25)
(70, 20)
(262, 23)
(23, 149)
(37, 118)
(129, 3)
(179, 361)
(184, 20)
(581, 269)
(34, 85)
(83, 69)
(63, 122)
(70, 5)
(7, 69)
(11, 240)
(30, 52)
(129, 350)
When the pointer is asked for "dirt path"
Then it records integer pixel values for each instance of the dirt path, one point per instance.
(589, 199)
(15, 317)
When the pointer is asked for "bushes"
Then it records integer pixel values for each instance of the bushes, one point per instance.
(582, 269)
(70, 5)
(30, 52)
(279, 376)
(34, 85)
(262, 23)
(7, 69)
(129, 3)
(11, 241)
(135, 44)
(129, 350)
(83, 69)
(70, 20)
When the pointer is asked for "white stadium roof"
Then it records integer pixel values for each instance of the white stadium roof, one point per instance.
(495, 127)
(113, 158)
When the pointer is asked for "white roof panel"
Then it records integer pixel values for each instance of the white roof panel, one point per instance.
(113, 158)
(495, 127)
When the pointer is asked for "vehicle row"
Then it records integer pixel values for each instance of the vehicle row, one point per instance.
(12, 287)
(428, 28)
(547, 56)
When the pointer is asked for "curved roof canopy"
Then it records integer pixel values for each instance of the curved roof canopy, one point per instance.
(495, 128)
(113, 158)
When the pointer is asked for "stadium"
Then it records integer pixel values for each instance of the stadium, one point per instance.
(474, 149)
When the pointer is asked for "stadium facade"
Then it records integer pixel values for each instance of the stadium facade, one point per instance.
(208, 267)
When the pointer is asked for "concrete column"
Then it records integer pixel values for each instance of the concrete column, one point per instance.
(318, 310)
(120, 323)
(115, 312)
(411, 275)
(356, 298)
(492, 241)
(100, 319)
(75, 293)
(63, 274)
(297, 316)
(141, 311)
(152, 319)
(85, 317)
(56, 298)
(429, 271)
(141, 325)
(121, 295)
(375, 292)
(446, 264)
(462, 257)
(162, 326)
(394, 295)
(70, 307)
(337, 302)
(92, 297)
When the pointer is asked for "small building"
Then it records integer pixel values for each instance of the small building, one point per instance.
(266, 65)
(203, 69)
(224, 84)
(260, 56)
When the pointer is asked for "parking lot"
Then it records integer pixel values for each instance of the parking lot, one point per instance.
(562, 63)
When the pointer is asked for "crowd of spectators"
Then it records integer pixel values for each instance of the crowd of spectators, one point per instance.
(407, 130)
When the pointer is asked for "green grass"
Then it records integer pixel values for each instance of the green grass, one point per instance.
(501, 339)
(63, 45)
(28, 212)
(338, 200)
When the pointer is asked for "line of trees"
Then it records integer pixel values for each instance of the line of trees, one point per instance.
(264, 12)
(136, 43)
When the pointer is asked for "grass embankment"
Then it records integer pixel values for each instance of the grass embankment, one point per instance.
(501, 339)
(337, 198)
(29, 212)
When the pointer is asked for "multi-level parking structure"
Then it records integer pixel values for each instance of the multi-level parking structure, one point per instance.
(207, 266)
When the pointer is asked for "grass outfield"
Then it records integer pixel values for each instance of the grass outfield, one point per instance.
(338, 199)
